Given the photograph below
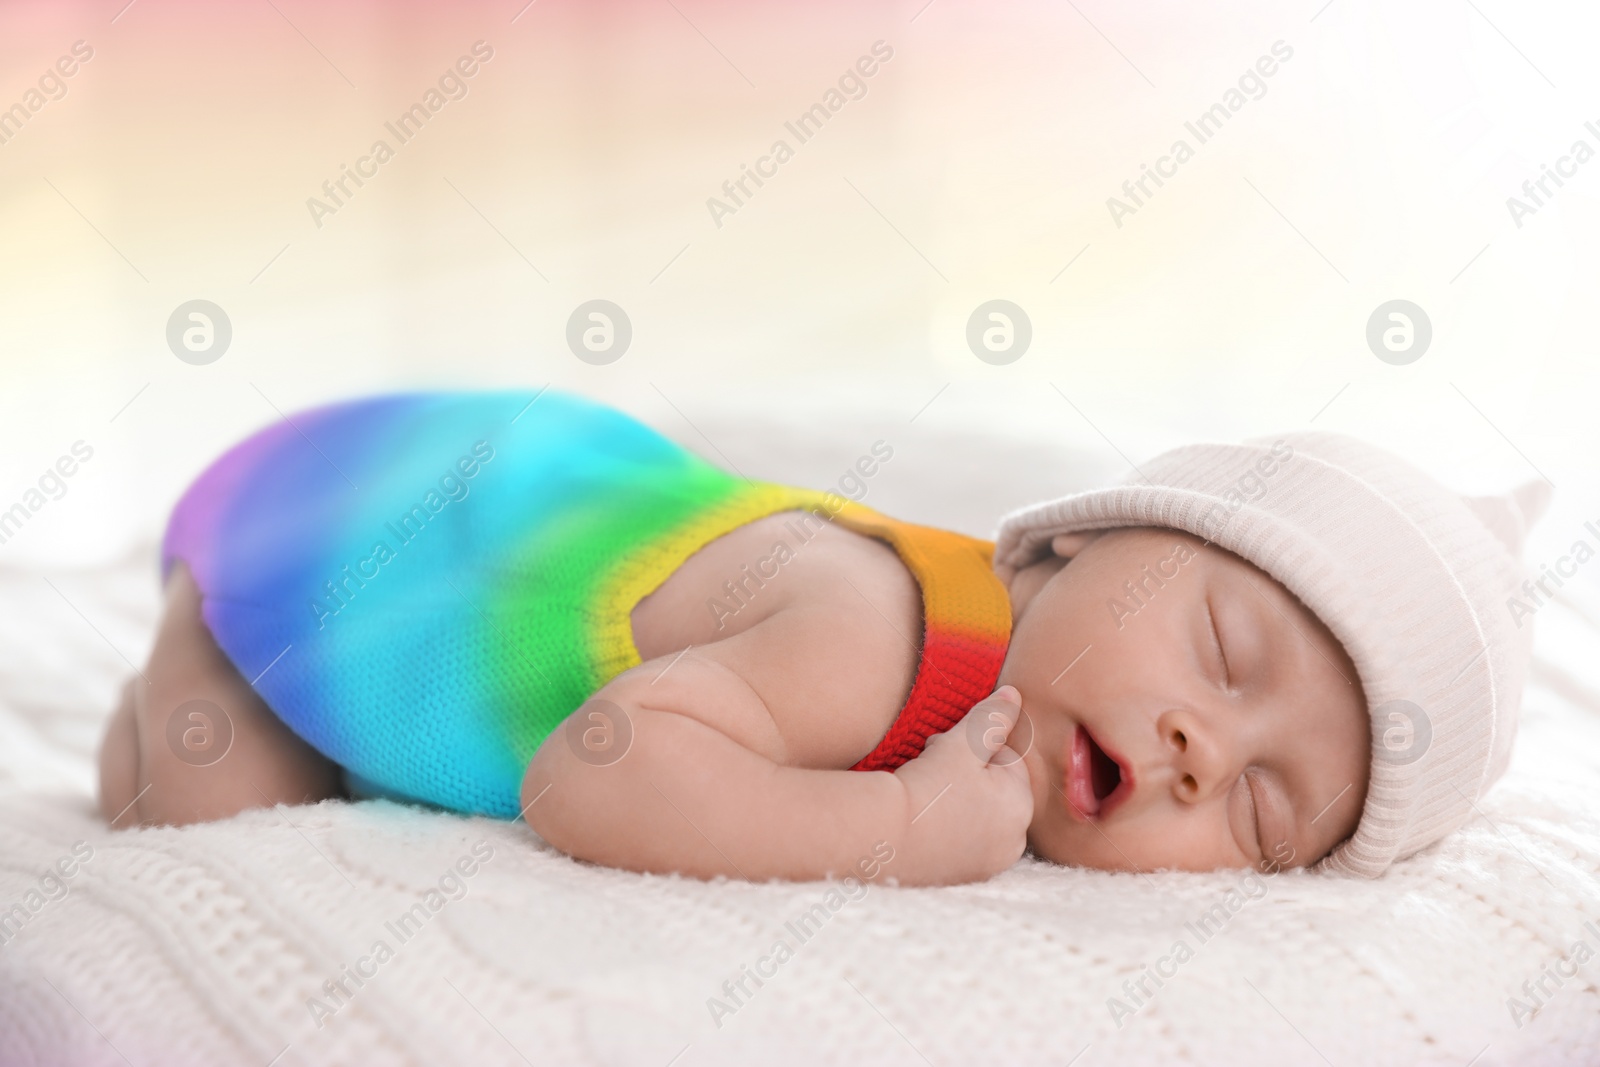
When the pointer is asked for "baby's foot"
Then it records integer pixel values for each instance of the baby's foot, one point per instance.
(193, 742)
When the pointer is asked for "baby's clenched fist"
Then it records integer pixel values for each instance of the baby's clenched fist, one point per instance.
(969, 801)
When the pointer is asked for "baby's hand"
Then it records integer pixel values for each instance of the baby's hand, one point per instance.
(970, 801)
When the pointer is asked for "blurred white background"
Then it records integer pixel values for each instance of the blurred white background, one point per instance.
(977, 166)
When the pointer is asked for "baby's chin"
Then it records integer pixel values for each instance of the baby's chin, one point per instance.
(1068, 854)
(1061, 859)
(1083, 862)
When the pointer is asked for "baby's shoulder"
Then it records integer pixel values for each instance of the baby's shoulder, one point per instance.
(823, 623)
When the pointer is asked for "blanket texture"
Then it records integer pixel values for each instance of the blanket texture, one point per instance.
(375, 933)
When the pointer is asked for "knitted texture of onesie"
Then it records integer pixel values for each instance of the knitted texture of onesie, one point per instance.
(424, 586)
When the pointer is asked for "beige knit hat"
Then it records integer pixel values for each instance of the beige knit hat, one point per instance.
(1412, 579)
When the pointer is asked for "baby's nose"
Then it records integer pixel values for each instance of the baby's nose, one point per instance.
(1198, 761)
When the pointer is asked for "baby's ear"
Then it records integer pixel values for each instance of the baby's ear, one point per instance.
(1068, 545)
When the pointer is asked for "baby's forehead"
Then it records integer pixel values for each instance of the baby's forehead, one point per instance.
(1162, 542)
(1166, 539)
(1143, 545)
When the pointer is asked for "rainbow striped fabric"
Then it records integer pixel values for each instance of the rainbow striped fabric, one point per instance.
(424, 586)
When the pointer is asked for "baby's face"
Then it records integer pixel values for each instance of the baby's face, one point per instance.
(1206, 721)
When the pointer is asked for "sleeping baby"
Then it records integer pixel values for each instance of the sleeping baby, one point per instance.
(1274, 654)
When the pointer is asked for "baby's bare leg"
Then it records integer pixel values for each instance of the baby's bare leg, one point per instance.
(195, 743)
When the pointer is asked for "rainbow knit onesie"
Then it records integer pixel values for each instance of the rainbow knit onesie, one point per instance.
(424, 586)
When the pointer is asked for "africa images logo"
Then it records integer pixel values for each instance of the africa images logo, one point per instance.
(453, 486)
(852, 85)
(451, 85)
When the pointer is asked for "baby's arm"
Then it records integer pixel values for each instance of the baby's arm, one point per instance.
(700, 792)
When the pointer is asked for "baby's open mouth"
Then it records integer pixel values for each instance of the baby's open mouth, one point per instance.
(1095, 781)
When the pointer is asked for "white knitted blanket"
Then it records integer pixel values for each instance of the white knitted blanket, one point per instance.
(227, 943)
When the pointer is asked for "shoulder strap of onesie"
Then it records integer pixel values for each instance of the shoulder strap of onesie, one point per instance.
(966, 615)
